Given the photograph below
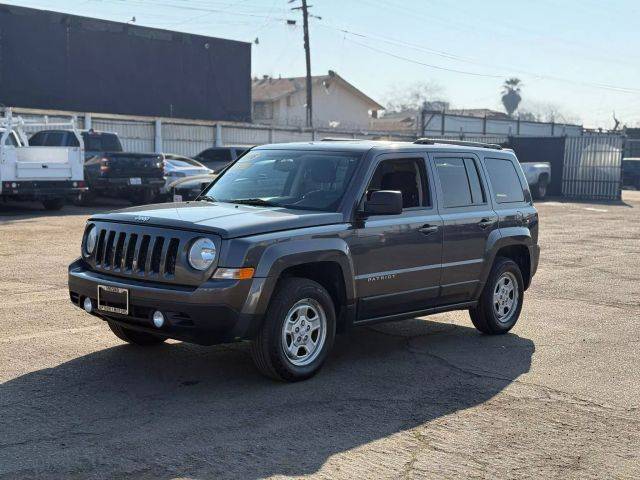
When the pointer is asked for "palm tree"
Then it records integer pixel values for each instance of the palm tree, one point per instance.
(511, 94)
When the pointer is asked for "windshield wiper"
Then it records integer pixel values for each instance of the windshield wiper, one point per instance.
(206, 198)
(254, 201)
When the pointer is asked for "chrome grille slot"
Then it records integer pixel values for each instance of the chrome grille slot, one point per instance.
(146, 253)
(108, 251)
(141, 260)
(172, 254)
(117, 256)
(131, 248)
(100, 247)
(155, 255)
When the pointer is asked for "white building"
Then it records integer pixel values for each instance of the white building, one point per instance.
(336, 103)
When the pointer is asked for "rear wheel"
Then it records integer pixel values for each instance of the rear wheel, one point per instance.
(53, 203)
(501, 300)
(135, 337)
(297, 332)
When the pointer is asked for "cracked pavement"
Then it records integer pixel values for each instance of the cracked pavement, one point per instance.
(558, 397)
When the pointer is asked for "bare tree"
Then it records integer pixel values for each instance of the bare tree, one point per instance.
(511, 95)
(546, 112)
(413, 96)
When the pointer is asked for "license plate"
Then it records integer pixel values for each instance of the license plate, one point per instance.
(177, 198)
(113, 299)
(135, 181)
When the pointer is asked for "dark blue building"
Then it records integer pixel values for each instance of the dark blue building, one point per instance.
(52, 60)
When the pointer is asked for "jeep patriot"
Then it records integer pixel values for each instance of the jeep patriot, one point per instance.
(293, 243)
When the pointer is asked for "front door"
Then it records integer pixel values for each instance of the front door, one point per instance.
(469, 220)
(397, 257)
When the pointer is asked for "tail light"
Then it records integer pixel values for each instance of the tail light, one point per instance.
(104, 165)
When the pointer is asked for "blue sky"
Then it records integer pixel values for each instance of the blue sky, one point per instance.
(579, 57)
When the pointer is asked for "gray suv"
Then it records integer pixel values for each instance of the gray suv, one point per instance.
(294, 243)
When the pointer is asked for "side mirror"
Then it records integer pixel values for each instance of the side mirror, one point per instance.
(384, 202)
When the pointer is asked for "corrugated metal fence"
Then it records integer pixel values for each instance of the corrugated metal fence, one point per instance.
(592, 167)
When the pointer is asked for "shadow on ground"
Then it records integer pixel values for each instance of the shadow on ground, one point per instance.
(182, 410)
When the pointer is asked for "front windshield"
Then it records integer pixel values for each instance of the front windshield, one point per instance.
(292, 179)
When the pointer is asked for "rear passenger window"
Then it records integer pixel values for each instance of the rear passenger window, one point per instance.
(460, 182)
(505, 181)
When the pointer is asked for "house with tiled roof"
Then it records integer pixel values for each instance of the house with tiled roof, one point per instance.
(336, 102)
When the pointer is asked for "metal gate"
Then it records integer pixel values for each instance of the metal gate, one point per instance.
(592, 167)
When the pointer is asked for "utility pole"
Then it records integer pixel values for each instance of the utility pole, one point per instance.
(307, 52)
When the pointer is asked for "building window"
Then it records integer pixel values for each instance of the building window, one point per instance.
(263, 111)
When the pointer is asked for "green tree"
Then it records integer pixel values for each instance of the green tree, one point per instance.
(511, 95)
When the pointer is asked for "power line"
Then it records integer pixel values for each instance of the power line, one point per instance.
(454, 57)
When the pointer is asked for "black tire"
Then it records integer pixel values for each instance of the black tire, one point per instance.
(135, 337)
(267, 348)
(53, 204)
(84, 199)
(484, 315)
(540, 189)
(143, 197)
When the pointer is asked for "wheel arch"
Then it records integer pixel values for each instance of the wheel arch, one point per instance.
(514, 243)
(326, 261)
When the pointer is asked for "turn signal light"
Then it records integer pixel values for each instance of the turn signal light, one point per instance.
(234, 273)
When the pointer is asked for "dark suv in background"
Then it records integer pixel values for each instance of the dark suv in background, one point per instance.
(295, 242)
(108, 170)
(216, 158)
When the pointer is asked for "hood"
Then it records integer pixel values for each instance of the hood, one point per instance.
(225, 219)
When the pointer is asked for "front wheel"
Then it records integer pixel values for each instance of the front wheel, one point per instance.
(297, 332)
(135, 337)
(501, 300)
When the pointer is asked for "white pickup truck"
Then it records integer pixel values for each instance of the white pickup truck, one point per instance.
(46, 174)
(538, 177)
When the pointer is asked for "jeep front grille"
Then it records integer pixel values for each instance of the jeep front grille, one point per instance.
(145, 253)
(130, 253)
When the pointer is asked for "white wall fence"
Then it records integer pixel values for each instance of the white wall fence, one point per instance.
(437, 123)
(187, 137)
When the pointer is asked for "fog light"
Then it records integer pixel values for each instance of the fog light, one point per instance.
(87, 305)
(158, 319)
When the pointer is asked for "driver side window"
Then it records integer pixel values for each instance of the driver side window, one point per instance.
(406, 175)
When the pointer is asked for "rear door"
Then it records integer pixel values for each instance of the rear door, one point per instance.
(469, 220)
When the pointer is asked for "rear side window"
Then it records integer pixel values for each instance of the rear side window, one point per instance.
(37, 140)
(215, 155)
(505, 181)
(101, 142)
(460, 182)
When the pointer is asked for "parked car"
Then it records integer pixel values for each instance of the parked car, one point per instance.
(538, 177)
(177, 167)
(631, 172)
(189, 188)
(109, 170)
(295, 242)
(50, 175)
(216, 158)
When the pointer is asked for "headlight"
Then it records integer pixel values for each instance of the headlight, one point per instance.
(90, 240)
(202, 254)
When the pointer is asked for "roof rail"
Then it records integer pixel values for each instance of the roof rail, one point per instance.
(462, 143)
(332, 139)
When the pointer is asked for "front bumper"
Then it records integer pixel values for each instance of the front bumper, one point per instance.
(218, 311)
(42, 189)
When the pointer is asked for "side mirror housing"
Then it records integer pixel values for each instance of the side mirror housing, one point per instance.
(384, 202)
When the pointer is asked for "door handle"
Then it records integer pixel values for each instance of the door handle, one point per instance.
(485, 222)
(428, 229)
